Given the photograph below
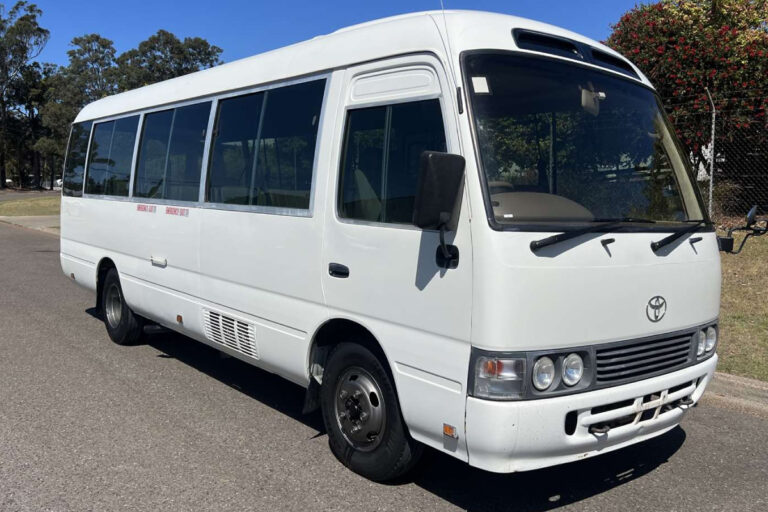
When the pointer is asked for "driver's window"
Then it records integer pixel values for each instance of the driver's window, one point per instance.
(380, 165)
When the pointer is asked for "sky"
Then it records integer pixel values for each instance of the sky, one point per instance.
(246, 27)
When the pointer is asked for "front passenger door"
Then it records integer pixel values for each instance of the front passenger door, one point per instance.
(419, 312)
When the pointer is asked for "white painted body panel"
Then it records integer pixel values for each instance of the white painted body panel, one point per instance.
(578, 293)
(270, 269)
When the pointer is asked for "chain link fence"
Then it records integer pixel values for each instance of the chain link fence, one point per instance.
(736, 122)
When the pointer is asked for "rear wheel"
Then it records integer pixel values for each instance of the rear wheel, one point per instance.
(362, 416)
(123, 325)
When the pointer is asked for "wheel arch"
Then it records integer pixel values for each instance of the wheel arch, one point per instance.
(329, 334)
(102, 268)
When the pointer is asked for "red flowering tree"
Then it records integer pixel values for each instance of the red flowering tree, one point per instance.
(686, 46)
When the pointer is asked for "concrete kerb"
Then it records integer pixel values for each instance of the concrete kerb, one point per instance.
(742, 393)
(46, 223)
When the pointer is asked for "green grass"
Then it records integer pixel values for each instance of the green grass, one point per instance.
(49, 205)
(743, 345)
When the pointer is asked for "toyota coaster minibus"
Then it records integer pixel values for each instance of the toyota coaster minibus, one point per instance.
(463, 230)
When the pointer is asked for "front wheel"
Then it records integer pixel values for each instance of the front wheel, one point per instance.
(362, 416)
(123, 326)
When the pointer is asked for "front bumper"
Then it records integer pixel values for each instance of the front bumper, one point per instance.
(505, 437)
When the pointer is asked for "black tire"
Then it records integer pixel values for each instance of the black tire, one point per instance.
(391, 453)
(123, 325)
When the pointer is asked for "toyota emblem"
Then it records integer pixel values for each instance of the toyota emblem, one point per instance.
(656, 308)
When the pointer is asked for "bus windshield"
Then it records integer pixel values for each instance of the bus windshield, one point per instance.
(561, 142)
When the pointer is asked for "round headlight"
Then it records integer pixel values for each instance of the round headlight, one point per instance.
(711, 339)
(543, 373)
(701, 343)
(573, 369)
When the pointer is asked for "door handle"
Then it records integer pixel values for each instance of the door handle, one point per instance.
(158, 262)
(338, 270)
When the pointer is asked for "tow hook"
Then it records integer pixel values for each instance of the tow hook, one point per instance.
(599, 429)
(685, 401)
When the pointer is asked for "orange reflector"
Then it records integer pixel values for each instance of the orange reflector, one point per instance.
(179, 319)
(450, 431)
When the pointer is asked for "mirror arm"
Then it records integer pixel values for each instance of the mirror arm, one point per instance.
(443, 245)
(446, 256)
(741, 246)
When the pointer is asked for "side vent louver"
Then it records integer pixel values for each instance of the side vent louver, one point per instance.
(231, 333)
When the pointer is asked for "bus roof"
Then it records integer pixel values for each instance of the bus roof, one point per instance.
(397, 35)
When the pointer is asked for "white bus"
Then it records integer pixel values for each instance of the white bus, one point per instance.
(463, 230)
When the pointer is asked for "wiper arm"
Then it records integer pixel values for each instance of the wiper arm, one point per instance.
(602, 224)
(562, 237)
(627, 219)
(655, 246)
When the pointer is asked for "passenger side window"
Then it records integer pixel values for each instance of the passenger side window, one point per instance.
(380, 165)
(72, 179)
(264, 147)
(171, 153)
(111, 156)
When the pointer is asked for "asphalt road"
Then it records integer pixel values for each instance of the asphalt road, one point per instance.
(170, 425)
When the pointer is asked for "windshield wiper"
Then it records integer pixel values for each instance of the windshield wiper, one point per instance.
(627, 219)
(655, 246)
(602, 224)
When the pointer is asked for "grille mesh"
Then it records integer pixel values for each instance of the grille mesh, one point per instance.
(230, 332)
(638, 359)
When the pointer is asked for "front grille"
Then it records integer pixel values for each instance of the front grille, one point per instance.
(636, 360)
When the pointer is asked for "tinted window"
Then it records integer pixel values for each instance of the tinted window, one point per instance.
(75, 162)
(264, 147)
(171, 153)
(232, 158)
(153, 152)
(110, 157)
(380, 167)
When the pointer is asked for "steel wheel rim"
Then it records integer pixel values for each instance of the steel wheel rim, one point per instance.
(113, 304)
(359, 408)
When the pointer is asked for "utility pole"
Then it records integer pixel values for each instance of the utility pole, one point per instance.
(712, 152)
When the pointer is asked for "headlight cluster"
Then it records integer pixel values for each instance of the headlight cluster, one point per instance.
(706, 341)
(507, 377)
(545, 371)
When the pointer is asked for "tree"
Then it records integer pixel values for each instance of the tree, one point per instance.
(91, 67)
(26, 96)
(687, 46)
(38, 102)
(164, 56)
(21, 40)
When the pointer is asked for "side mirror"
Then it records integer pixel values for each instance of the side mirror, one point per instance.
(751, 216)
(441, 177)
(438, 195)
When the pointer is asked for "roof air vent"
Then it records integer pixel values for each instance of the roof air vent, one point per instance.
(545, 43)
(612, 62)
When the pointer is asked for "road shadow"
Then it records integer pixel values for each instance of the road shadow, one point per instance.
(448, 478)
(269, 389)
(545, 489)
